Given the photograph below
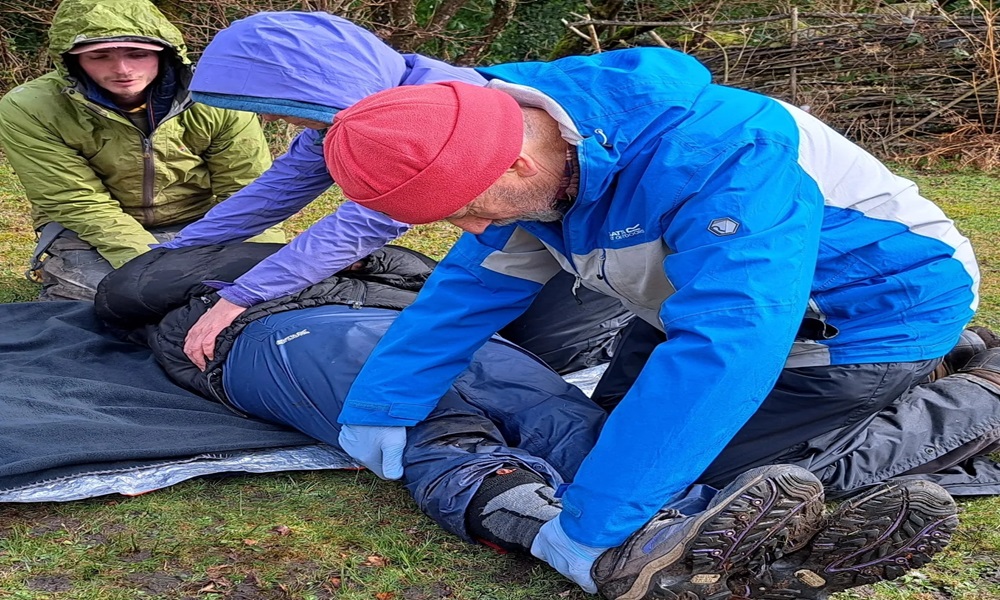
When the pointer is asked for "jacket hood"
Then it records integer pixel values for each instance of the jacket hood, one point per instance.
(617, 100)
(94, 20)
(310, 57)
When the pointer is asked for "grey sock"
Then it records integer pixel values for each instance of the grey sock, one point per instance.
(508, 509)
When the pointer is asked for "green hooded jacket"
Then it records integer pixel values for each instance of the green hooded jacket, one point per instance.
(84, 165)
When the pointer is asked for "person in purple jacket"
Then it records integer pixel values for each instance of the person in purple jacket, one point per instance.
(303, 67)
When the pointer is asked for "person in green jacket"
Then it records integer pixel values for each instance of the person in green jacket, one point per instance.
(111, 151)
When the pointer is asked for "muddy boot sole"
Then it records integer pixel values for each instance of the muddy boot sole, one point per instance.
(877, 536)
(767, 510)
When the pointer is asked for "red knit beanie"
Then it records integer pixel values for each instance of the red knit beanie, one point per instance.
(419, 153)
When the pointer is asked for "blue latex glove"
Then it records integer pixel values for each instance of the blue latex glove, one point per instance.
(380, 449)
(570, 558)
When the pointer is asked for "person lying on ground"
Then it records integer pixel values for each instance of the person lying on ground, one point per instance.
(488, 463)
(302, 67)
(111, 151)
(801, 288)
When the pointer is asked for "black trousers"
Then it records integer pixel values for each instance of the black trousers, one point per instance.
(570, 329)
(852, 425)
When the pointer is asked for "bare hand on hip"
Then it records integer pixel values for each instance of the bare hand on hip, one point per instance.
(199, 345)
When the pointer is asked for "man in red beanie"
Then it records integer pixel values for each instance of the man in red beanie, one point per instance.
(797, 298)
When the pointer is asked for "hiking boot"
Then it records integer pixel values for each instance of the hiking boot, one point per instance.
(877, 536)
(985, 365)
(973, 341)
(766, 511)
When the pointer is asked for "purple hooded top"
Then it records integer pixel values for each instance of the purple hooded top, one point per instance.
(317, 59)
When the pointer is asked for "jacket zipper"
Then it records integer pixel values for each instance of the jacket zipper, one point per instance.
(148, 178)
(148, 170)
(359, 300)
(603, 275)
(148, 166)
(565, 227)
(148, 173)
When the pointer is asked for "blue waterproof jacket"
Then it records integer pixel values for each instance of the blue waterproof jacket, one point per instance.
(317, 58)
(756, 237)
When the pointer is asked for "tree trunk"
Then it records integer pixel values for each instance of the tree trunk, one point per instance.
(503, 13)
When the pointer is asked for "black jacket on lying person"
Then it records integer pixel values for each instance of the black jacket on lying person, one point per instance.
(161, 295)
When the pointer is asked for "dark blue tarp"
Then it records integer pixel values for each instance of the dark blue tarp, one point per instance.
(76, 400)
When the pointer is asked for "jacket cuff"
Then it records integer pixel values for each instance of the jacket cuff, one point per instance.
(234, 294)
(381, 414)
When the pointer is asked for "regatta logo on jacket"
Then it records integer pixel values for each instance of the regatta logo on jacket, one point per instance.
(724, 226)
(295, 335)
(621, 234)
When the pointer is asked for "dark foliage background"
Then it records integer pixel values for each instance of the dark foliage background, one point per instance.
(909, 80)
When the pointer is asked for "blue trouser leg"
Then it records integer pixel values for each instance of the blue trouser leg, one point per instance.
(504, 411)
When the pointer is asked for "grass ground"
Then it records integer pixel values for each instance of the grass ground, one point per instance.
(349, 535)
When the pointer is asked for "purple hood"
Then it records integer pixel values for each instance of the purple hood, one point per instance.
(312, 57)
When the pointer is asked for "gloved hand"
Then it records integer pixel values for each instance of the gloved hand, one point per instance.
(380, 449)
(570, 558)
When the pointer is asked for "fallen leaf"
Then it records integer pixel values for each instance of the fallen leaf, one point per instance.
(384, 596)
(216, 571)
(250, 542)
(282, 530)
(376, 561)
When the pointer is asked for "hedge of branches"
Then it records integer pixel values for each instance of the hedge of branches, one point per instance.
(882, 84)
(905, 86)
(899, 83)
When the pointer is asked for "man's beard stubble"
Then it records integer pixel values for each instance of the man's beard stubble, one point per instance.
(536, 204)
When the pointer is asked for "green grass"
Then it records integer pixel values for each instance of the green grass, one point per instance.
(348, 535)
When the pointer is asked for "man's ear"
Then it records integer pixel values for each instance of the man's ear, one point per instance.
(524, 166)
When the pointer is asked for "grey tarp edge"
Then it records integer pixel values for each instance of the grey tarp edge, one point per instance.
(135, 480)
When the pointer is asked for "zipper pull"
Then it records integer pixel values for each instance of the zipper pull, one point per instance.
(604, 138)
(576, 286)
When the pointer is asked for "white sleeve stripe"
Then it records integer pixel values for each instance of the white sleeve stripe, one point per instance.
(849, 177)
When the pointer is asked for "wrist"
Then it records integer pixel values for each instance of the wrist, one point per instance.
(230, 297)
